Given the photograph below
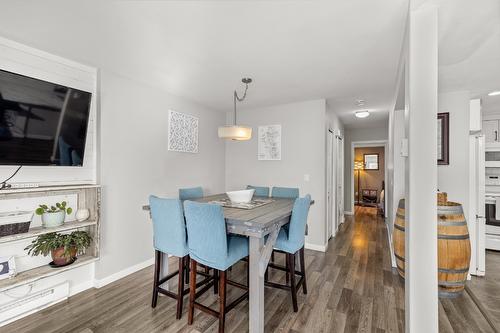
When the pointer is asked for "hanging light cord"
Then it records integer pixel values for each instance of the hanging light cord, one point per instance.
(239, 99)
(4, 185)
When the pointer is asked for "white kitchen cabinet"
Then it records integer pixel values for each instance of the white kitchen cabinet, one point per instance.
(490, 130)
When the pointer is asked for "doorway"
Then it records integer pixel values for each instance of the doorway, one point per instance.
(368, 175)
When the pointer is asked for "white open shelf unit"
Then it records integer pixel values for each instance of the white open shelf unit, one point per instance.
(88, 197)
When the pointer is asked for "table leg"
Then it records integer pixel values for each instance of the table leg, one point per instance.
(260, 254)
(256, 293)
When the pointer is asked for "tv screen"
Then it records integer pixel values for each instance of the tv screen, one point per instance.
(41, 123)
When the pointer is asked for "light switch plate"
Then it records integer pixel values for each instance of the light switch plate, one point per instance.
(307, 177)
(404, 147)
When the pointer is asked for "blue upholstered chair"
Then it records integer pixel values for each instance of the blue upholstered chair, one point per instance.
(210, 245)
(285, 192)
(169, 236)
(291, 242)
(260, 191)
(190, 193)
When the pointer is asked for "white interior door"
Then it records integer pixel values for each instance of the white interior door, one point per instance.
(339, 181)
(329, 185)
(477, 219)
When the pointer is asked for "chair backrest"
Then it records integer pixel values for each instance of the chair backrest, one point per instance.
(206, 228)
(260, 191)
(191, 193)
(285, 192)
(169, 228)
(298, 221)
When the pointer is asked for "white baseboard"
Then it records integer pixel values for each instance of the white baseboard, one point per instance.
(123, 273)
(81, 287)
(348, 213)
(314, 247)
(389, 237)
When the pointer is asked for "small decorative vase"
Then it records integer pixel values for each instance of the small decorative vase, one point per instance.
(50, 220)
(82, 214)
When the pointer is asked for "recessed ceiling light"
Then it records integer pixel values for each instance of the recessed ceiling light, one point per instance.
(494, 93)
(362, 114)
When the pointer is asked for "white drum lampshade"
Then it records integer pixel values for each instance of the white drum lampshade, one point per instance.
(235, 132)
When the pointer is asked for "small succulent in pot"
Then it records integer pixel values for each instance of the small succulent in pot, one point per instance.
(63, 247)
(53, 216)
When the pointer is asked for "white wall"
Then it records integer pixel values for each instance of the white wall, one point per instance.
(457, 104)
(353, 135)
(399, 165)
(135, 162)
(303, 153)
(133, 130)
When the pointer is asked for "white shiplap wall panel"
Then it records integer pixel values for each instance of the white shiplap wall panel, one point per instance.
(24, 60)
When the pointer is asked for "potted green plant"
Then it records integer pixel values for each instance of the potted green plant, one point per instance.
(53, 216)
(63, 247)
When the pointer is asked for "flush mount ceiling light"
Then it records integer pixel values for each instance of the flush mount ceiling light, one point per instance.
(494, 93)
(237, 132)
(362, 114)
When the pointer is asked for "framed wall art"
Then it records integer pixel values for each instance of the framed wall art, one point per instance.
(443, 138)
(269, 143)
(182, 132)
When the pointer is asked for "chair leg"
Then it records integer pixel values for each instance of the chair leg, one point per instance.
(156, 278)
(293, 289)
(287, 274)
(192, 291)
(248, 274)
(222, 300)
(180, 288)
(186, 268)
(216, 281)
(303, 270)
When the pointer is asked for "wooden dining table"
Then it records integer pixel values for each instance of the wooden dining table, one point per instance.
(261, 225)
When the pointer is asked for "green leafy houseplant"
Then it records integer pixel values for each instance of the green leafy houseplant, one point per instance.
(53, 216)
(62, 247)
(59, 207)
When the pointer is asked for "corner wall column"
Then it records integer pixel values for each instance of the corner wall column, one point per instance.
(421, 296)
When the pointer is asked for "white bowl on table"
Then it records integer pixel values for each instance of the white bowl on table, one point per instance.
(243, 196)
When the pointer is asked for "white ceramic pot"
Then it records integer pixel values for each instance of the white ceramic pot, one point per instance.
(50, 220)
(243, 196)
(82, 214)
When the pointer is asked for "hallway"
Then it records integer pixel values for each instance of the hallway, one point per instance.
(352, 288)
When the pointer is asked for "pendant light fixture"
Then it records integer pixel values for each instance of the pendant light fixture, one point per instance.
(237, 132)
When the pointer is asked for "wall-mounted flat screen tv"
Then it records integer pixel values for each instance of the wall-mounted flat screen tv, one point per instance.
(41, 123)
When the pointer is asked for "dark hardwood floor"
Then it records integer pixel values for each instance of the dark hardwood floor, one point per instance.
(486, 290)
(352, 288)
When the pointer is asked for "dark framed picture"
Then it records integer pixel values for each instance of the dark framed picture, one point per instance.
(371, 161)
(443, 138)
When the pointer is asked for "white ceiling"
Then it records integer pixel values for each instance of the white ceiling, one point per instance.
(294, 50)
(469, 46)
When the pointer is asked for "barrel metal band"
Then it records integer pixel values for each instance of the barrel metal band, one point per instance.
(397, 226)
(452, 283)
(453, 237)
(451, 224)
(399, 257)
(401, 216)
(449, 294)
(453, 271)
